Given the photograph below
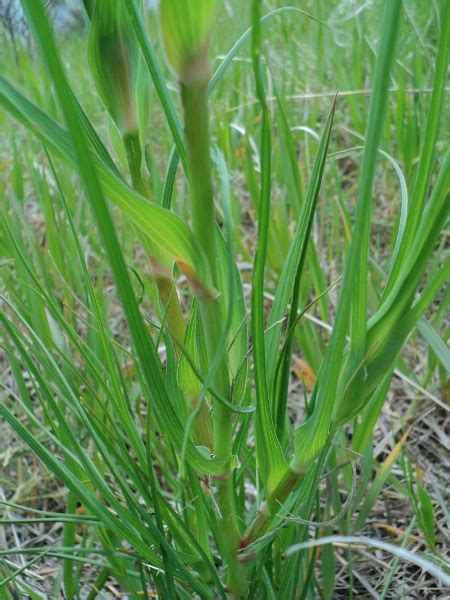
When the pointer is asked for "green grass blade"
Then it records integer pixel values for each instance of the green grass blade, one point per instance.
(270, 456)
(157, 77)
(406, 555)
(396, 305)
(116, 524)
(145, 350)
(435, 342)
(165, 229)
(311, 437)
(359, 252)
(284, 10)
(425, 167)
(297, 252)
(223, 67)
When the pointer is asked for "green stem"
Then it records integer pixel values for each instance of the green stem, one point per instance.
(195, 104)
(287, 484)
(270, 507)
(133, 151)
(176, 325)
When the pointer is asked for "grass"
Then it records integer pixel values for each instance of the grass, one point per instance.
(187, 238)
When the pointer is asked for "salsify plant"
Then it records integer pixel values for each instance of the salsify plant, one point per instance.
(162, 462)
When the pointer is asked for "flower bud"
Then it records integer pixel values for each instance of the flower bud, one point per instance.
(186, 27)
(113, 58)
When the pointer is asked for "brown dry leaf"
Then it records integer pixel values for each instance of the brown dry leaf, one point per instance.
(304, 372)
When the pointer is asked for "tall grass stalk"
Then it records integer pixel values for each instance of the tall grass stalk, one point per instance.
(173, 432)
(186, 33)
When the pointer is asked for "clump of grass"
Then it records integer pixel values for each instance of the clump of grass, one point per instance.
(193, 428)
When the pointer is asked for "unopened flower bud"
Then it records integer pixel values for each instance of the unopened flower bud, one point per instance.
(186, 27)
(113, 58)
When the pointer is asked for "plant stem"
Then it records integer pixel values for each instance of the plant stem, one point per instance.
(133, 151)
(269, 507)
(195, 104)
(166, 287)
(287, 484)
(175, 322)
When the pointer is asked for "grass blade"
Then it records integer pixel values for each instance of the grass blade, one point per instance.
(311, 437)
(270, 456)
